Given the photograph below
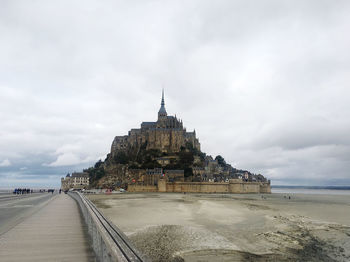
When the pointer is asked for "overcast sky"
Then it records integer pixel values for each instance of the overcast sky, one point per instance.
(264, 83)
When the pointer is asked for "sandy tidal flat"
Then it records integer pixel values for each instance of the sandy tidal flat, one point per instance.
(222, 227)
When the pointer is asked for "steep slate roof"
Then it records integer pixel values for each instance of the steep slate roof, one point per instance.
(148, 123)
(84, 174)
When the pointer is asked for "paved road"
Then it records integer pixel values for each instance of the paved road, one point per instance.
(14, 209)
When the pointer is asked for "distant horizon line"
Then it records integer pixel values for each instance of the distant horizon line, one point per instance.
(313, 187)
(272, 186)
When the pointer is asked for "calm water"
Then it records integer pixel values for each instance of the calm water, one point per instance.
(310, 191)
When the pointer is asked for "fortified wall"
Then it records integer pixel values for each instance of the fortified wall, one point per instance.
(234, 186)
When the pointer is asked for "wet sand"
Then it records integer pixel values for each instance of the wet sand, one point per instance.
(223, 227)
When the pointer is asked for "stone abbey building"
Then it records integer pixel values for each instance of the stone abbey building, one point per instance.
(167, 134)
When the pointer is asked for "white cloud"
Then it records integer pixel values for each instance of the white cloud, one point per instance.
(5, 163)
(66, 159)
(71, 159)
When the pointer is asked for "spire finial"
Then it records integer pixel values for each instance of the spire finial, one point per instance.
(162, 104)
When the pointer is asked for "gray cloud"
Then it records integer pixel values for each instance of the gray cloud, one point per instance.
(265, 83)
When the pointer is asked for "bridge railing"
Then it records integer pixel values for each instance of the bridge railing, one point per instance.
(108, 241)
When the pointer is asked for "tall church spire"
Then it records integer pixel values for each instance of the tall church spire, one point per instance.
(163, 104)
(162, 112)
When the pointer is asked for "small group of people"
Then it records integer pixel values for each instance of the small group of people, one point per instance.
(21, 191)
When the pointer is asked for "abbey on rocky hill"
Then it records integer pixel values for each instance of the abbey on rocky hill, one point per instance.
(162, 156)
(167, 134)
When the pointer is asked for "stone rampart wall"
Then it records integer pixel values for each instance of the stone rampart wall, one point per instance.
(265, 188)
(142, 188)
(204, 187)
(197, 187)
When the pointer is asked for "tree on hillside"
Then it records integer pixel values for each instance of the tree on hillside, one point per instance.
(95, 173)
(221, 160)
(98, 163)
(188, 172)
(186, 158)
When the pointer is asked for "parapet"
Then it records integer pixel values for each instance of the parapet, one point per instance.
(108, 241)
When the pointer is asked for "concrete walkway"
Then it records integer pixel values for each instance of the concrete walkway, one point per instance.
(55, 233)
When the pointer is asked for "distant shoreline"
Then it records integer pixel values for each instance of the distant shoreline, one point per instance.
(311, 190)
(313, 187)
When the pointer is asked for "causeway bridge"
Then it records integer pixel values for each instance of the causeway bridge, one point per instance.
(59, 227)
